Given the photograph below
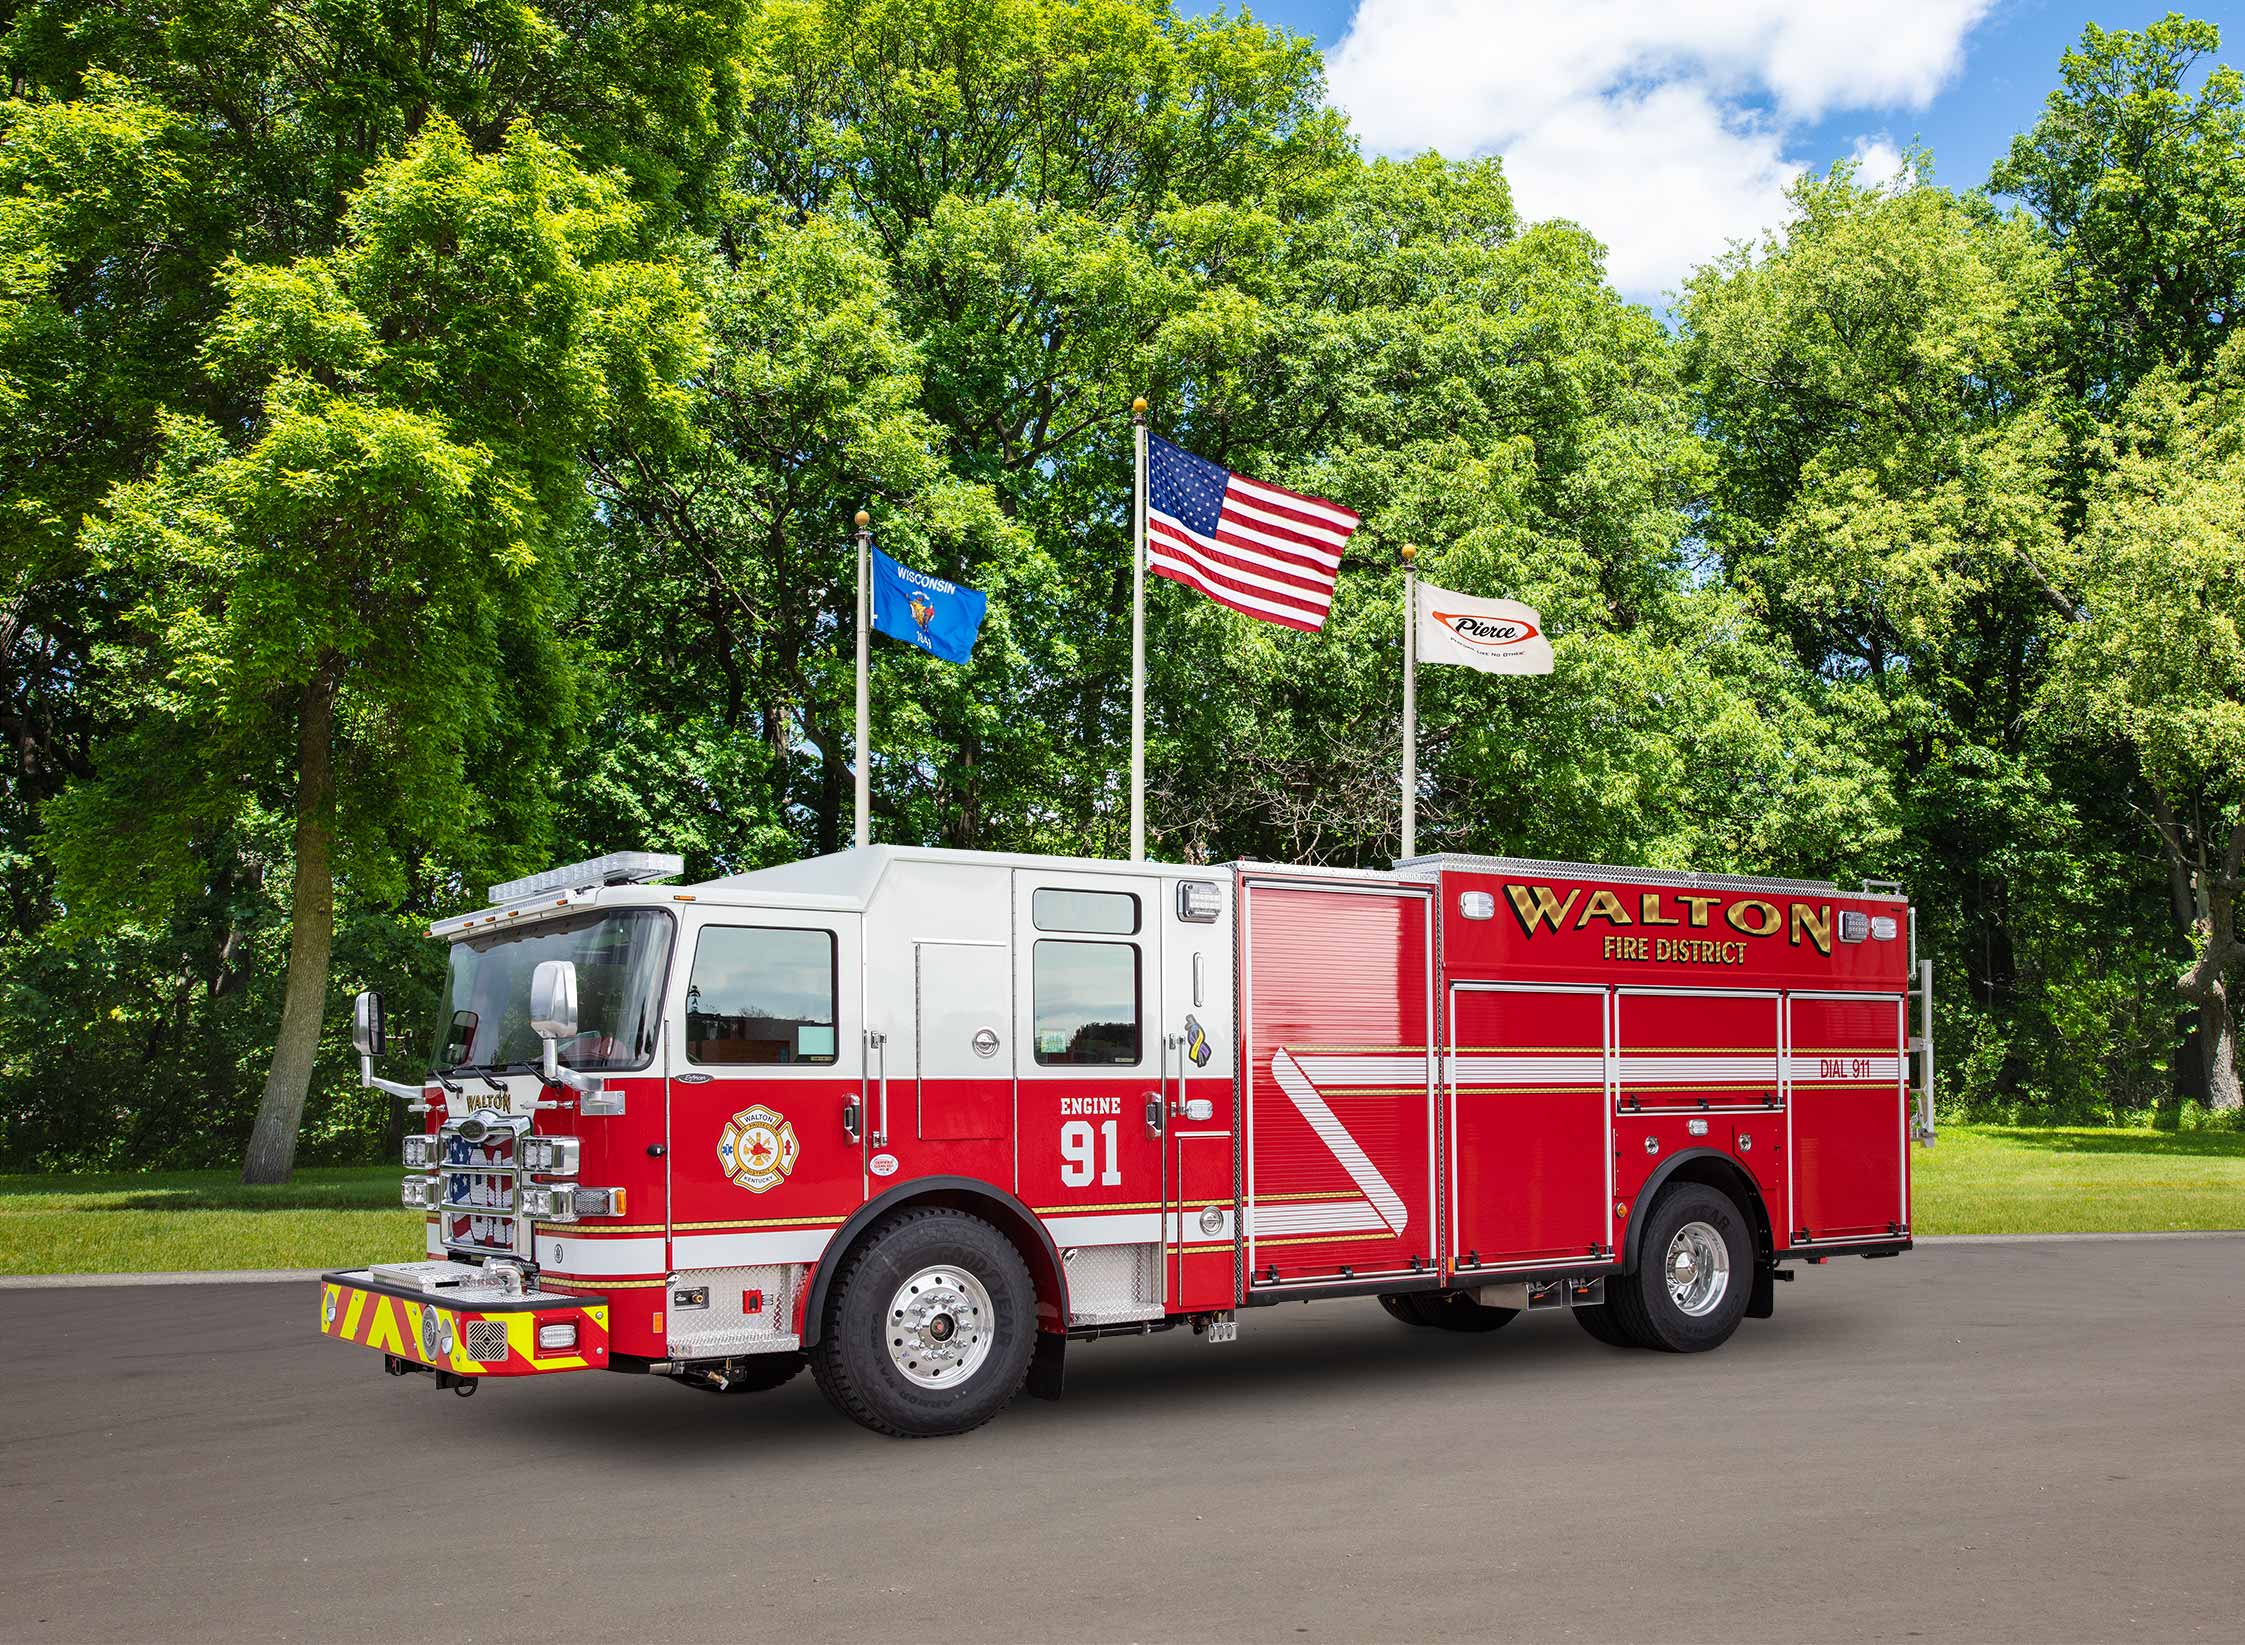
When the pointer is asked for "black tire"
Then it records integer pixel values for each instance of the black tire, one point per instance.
(852, 1362)
(1400, 1307)
(1640, 1302)
(1598, 1319)
(1447, 1311)
(757, 1374)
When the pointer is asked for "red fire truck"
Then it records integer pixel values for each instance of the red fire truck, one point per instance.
(919, 1119)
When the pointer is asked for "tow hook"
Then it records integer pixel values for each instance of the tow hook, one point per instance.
(398, 1366)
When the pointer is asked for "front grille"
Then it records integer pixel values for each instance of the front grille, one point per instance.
(487, 1340)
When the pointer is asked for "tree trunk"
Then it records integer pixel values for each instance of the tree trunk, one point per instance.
(2223, 1089)
(2206, 983)
(311, 937)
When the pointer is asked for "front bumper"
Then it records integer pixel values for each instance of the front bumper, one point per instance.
(469, 1331)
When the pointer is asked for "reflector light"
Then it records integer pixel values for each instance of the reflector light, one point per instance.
(616, 868)
(563, 1335)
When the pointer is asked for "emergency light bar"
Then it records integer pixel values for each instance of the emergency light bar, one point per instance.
(616, 868)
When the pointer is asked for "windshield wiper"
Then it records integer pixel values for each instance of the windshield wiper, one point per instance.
(479, 1071)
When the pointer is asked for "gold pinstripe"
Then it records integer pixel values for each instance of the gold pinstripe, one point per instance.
(1112, 1205)
(1367, 1237)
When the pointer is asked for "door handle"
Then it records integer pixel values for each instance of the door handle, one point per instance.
(1153, 1112)
(853, 1114)
(878, 1043)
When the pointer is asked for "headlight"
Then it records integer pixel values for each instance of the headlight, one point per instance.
(563, 1335)
(550, 1201)
(421, 1152)
(553, 1156)
(420, 1193)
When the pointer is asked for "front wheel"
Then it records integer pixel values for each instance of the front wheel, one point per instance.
(1695, 1274)
(929, 1326)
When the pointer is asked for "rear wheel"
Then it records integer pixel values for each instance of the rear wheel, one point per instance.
(1446, 1311)
(929, 1326)
(1695, 1274)
(1598, 1319)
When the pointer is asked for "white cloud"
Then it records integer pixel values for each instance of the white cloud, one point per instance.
(1660, 125)
(1877, 161)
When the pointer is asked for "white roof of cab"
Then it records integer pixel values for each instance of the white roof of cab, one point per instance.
(851, 876)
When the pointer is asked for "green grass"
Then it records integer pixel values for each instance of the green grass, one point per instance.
(1992, 1179)
(336, 1217)
(1976, 1180)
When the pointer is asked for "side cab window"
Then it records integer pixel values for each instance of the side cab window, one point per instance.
(763, 995)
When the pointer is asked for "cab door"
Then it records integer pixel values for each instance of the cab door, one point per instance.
(766, 1150)
(1089, 1058)
(1202, 1217)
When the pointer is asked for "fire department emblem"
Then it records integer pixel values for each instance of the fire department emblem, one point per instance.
(758, 1149)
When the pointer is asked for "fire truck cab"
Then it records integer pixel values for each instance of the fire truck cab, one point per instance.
(921, 1118)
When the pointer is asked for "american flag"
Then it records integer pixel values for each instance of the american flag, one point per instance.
(1260, 549)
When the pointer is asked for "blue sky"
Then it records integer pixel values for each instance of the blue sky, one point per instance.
(1669, 127)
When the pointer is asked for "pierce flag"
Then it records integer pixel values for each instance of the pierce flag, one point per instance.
(1495, 636)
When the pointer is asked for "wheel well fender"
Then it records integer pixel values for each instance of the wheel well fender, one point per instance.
(994, 1205)
(1711, 1169)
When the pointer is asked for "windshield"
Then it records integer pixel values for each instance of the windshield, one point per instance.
(484, 1019)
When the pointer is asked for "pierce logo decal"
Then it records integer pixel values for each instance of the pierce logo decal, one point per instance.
(757, 1149)
(1488, 633)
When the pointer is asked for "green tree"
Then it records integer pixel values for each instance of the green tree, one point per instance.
(353, 600)
(2157, 662)
(2140, 186)
(1881, 385)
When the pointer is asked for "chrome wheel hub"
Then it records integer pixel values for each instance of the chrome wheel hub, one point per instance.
(1698, 1268)
(939, 1327)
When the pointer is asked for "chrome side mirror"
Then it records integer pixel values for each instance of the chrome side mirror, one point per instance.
(367, 1037)
(553, 1018)
(370, 1040)
(553, 1002)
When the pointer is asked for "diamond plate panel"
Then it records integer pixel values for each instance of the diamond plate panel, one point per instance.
(726, 1327)
(1109, 1283)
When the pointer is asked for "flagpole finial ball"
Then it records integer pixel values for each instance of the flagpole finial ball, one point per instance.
(1409, 551)
(1138, 406)
(863, 519)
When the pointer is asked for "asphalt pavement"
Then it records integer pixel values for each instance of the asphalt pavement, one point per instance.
(1994, 1442)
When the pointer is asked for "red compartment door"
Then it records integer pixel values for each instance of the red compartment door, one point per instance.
(1338, 992)
(1531, 1151)
(1850, 1119)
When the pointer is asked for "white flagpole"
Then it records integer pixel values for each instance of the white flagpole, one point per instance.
(1138, 639)
(864, 704)
(1410, 702)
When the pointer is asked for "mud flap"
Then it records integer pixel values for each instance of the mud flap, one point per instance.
(1763, 1302)
(1046, 1364)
